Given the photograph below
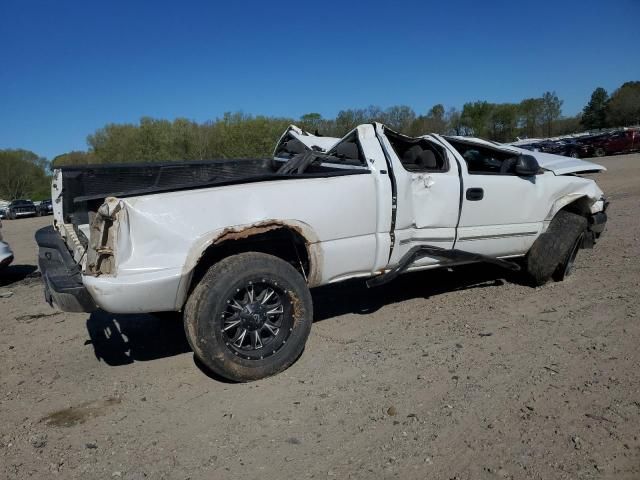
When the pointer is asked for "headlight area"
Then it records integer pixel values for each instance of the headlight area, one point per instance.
(600, 206)
(597, 223)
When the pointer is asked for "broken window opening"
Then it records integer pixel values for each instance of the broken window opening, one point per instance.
(484, 160)
(418, 154)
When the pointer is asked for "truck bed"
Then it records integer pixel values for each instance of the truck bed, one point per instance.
(86, 186)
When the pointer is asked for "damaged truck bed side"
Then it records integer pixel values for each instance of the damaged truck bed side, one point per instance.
(236, 245)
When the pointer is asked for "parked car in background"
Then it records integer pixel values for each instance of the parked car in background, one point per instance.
(21, 208)
(532, 147)
(568, 147)
(622, 141)
(45, 208)
(6, 255)
(587, 145)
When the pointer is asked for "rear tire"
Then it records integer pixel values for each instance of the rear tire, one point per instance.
(553, 253)
(249, 317)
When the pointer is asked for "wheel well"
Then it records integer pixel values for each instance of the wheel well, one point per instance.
(581, 206)
(281, 242)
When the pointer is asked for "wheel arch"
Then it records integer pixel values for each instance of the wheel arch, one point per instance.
(292, 241)
(579, 203)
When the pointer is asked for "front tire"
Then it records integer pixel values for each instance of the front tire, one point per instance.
(552, 255)
(249, 317)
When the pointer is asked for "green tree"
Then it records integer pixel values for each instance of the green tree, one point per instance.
(530, 110)
(503, 121)
(73, 158)
(476, 118)
(116, 143)
(566, 125)
(436, 119)
(24, 175)
(433, 122)
(551, 111)
(347, 120)
(454, 121)
(398, 117)
(623, 107)
(311, 122)
(594, 114)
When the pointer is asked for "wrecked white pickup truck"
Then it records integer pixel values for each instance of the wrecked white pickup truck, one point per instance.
(236, 245)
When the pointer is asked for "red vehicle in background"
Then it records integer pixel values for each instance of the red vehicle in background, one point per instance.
(622, 141)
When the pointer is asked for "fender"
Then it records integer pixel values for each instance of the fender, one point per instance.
(244, 231)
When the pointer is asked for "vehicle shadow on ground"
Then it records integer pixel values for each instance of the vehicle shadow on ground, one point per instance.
(124, 339)
(355, 297)
(17, 273)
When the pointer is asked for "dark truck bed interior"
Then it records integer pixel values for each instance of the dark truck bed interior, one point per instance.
(85, 187)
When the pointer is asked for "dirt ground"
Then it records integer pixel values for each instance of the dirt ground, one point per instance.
(467, 374)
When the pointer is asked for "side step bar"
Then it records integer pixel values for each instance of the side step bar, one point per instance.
(416, 253)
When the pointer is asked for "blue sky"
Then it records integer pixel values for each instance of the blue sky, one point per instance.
(68, 68)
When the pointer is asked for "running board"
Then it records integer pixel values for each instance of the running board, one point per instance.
(416, 253)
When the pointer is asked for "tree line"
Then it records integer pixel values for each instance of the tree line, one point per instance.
(237, 135)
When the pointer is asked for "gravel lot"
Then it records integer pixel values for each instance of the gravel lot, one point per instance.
(466, 374)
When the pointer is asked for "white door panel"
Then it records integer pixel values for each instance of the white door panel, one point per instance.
(436, 198)
(508, 218)
(507, 200)
(427, 207)
(512, 239)
(508, 215)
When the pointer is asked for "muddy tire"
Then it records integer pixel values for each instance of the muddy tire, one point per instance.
(249, 317)
(553, 253)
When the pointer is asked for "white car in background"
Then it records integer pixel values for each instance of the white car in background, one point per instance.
(6, 255)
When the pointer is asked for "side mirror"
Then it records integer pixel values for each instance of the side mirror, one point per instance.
(526, 166)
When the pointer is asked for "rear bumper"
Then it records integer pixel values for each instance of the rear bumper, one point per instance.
(61, 275)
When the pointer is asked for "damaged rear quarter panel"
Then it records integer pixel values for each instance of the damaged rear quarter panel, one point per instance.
(163, 236)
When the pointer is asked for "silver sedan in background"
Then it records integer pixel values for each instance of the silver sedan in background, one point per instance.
(6, 255)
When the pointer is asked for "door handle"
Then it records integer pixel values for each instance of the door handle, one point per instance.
(428, 181)
(475, 194)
